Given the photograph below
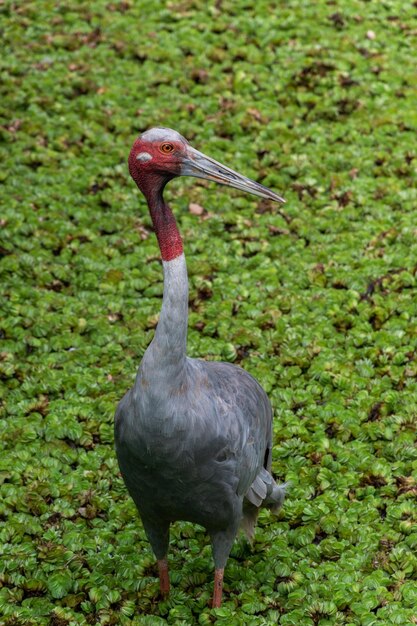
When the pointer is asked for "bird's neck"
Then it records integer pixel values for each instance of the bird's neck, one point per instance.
(171, 332)
(165, 225)
(167, 352)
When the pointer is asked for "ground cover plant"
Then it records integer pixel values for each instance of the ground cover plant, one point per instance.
(318, 300)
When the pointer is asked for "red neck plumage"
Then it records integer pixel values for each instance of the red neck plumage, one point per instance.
(167, 232)
(163, 219)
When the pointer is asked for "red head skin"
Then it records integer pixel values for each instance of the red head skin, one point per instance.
(159, 161)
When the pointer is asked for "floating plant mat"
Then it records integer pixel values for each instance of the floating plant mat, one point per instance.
(317, 299)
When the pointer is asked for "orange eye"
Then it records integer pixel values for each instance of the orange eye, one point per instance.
(166, 148)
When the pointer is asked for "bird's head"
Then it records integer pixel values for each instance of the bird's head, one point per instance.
(160, 154)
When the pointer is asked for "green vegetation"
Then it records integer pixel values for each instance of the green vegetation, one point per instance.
(316, 100)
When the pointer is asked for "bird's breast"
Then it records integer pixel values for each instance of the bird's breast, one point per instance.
(173, 472)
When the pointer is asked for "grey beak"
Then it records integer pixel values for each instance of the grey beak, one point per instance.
(201, 166)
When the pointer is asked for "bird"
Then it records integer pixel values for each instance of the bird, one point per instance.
(193, 437)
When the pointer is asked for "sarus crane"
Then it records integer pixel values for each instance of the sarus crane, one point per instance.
(193, 437)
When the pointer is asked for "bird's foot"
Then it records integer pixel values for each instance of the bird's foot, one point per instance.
(163, 577)
(218, 588)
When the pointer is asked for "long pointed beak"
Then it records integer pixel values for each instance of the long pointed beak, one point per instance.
(201, 166)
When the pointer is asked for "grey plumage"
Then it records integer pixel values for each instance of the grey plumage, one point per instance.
(194, 437)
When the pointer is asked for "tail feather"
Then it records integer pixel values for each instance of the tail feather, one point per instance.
(249, 518)
(263, 492)
(275, 499)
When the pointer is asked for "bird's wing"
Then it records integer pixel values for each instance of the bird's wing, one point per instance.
(244, 418)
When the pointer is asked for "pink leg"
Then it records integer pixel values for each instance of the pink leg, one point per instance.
(218, 588)
(163, 577)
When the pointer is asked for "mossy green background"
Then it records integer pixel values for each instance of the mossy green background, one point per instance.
(318, 300)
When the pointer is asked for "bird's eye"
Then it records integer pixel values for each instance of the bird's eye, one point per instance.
(166, 148)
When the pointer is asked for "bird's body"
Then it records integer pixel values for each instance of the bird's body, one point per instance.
(193, 437)
(195, 463)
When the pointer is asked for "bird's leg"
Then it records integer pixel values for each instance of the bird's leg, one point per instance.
(218, 588)
(163, 577)
(158, 536)
(221, 542)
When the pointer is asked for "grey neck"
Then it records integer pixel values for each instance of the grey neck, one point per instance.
(167, 352)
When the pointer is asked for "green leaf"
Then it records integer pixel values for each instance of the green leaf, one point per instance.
(59, 584)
